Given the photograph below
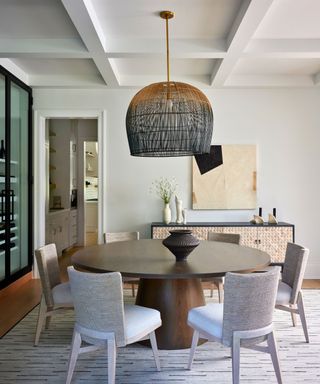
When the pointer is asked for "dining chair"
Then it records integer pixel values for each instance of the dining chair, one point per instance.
(289, 297)
(244, 319)
(233, 238)
(56, 296)
(104, 322)
(110, 237)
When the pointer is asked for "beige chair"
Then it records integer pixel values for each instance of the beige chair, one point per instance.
(111, 237)
(245, 318)
(289, 297)
(104, 322)
(56, 296)
(233, 238)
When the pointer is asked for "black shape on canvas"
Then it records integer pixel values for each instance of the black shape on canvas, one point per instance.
(209, 161)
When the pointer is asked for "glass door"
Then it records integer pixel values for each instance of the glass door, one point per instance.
(15, 182)
(19, 186)
(2, 178)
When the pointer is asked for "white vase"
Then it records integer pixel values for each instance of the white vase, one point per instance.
(179, 219)
(166, 213)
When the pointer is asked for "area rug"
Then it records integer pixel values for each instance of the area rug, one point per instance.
(21, 362)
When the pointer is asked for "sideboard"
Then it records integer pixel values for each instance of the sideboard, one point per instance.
(271, 238)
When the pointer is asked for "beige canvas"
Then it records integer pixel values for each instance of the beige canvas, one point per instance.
(231, 185)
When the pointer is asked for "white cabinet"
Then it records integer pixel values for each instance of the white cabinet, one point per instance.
(73, 227)
(272, 239)
(58, 228)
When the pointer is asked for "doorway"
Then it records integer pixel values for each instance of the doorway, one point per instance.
(91, 193)
(40, 170)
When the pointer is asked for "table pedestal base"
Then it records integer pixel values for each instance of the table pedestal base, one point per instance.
(173, 298)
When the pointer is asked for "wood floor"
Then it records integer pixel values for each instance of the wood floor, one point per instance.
(17, 300)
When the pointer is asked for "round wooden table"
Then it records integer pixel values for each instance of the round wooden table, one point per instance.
(169, 286)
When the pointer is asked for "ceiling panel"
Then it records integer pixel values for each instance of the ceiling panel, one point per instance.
(140, 18)
(291, 19)
(57, 66)
(35, 19)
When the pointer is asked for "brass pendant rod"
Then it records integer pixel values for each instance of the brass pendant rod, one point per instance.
(167, 40)
(167, 15)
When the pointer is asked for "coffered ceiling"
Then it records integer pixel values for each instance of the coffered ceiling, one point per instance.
(121, 43)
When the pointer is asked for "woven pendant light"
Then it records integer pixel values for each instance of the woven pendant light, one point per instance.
(169, 118)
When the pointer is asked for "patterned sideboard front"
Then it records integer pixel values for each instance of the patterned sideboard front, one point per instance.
(272, 239)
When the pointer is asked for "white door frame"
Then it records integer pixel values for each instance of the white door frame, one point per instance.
(39, 167)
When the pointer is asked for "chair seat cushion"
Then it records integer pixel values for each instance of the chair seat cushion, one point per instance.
(139, 322)
(283, 294)
(62, 294)
(207, 319)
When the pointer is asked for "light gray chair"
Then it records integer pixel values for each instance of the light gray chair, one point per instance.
(233, 238)
(110, 237)
(103, 321)
(245, 318)
(289, 297)
(56, 296)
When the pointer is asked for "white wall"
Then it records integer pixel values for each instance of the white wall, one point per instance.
(285, 125)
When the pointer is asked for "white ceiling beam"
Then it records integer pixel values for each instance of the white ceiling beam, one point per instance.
(247, 21)
(90, 31)
(65, 81)
(17, 71)
(179, 48)
(43, 48)
(283, 48)
(269, 81)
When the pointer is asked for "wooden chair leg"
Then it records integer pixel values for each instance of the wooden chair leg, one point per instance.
(75, 348)
(41, 319)
(112, 353)
(195, 339)
(48, 319)
(211, 291)
(220, 292)
(154, 346)
(132, 290)
(235, 360)
(273, 350)
(293, 316)
(303, 316)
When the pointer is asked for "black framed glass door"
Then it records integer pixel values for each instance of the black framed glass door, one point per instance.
(15, 180)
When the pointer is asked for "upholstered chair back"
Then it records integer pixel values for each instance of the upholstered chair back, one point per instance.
(249, 302)
(294, 267)
(98, 302)
(48, 266)
(224, 237)
(111, 237)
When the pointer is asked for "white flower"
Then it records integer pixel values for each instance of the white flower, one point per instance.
(164, 188)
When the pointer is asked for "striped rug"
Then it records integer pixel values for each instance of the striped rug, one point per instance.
(21, 362)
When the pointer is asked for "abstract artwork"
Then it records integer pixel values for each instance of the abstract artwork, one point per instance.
(225, 178)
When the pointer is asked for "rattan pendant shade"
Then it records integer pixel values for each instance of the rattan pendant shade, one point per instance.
(169, 119)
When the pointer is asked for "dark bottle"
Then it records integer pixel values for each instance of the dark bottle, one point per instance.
(2, 150)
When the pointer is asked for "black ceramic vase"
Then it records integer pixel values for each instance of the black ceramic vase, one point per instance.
(181, 243)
